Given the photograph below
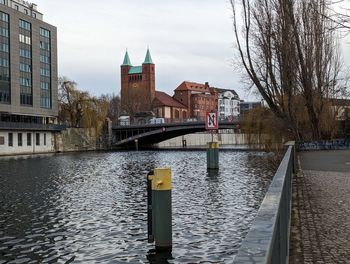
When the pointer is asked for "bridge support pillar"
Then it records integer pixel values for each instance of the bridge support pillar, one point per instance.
(159, 209)
(213, 156)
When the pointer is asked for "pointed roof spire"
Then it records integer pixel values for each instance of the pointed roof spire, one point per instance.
(148, 59)
(126, 61)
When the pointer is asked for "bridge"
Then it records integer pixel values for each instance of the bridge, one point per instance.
(149, 134)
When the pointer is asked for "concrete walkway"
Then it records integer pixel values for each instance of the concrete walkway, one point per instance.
(320, 231)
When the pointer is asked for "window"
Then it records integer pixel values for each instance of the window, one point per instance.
(4, 62)
(37, 139)
(25, 82)
(45, 139)
(25, 53)
(26, 11)
(29, 139)
(4, 47)
(20, 139)
(44, 33)
(45, 85)
(25, 39)
(4, 32)
(16, 7)
(25, 25)
(4, 17)
(25, 67)
(2, 140)
(34, 15)
(45, 72)
(10, 140)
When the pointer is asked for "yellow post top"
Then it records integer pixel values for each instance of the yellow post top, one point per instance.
(213, 145)
(161, 180)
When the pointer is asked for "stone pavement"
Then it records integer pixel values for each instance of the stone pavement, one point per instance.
(320, 231)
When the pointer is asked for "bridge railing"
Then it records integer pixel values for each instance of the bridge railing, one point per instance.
(168, 121)
(268, 238)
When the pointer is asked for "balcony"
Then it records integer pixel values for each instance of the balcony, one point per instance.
(31, 126)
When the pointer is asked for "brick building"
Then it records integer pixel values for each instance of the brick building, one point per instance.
(137, 85)
(168, 108)
(139, 95)
(198, 98)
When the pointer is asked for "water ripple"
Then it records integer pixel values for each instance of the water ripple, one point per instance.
(91, 207)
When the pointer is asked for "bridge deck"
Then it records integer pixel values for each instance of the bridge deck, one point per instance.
(148, 134)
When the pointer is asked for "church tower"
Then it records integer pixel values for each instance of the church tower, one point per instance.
(137, 85)
(148, 77)
(124, 77)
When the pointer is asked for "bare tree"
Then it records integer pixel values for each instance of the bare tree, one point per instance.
(289, 51)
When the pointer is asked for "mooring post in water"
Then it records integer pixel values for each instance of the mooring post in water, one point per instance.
(159, 211)
(213, 155)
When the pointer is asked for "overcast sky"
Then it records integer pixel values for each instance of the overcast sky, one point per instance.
(188, 39)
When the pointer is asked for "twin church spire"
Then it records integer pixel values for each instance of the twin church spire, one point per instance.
(127, 62)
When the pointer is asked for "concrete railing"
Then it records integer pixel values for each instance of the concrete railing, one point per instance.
(268, 238)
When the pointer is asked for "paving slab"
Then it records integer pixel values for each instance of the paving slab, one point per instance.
(320, 231)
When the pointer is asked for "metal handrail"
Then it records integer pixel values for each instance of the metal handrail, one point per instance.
(268, 238)
(31, 126)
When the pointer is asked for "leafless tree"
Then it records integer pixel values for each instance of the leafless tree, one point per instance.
(289, 51)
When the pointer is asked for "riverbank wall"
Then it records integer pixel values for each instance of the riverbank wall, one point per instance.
(80, 139)
(240, 141)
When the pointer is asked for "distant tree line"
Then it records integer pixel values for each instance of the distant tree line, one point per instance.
(79, 109)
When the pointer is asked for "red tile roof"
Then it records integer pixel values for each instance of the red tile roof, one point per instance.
(192, 86)
(163, 99)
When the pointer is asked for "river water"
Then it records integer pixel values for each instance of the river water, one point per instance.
(91, 207)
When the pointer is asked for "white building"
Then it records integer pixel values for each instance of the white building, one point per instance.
(228, 104)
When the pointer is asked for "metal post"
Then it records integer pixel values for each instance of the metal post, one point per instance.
(213, 156)
(136, 144)
(161, 209)
(184, 142)
(149, 207)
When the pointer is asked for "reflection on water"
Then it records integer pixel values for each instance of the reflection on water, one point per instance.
(91, 207)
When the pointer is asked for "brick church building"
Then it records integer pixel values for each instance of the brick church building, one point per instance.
(138, 92)
(137, 85)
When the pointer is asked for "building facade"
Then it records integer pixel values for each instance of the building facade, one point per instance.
(228, 104)
(137, 85)
(198, 98)
(28, 79)
(164, 106)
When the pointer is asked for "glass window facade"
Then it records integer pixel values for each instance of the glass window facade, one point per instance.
(25, 67)
(45, 68)
(5, 88)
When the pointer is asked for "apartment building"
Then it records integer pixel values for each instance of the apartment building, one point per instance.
(28, 79)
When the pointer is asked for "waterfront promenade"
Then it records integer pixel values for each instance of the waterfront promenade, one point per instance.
(320, 231)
